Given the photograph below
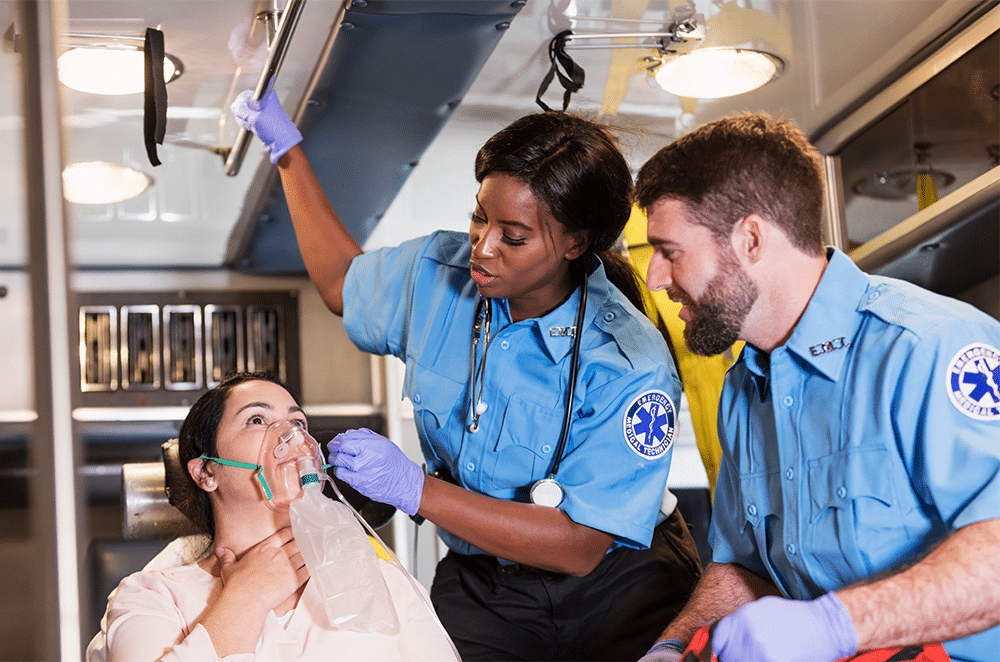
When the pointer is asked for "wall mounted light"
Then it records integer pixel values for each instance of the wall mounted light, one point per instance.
(736, 50)
(110, 70)
(109, 64)
(101, 183)
(920, 181)
(713, 73)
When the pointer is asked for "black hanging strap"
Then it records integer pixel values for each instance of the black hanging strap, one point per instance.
(571, 81)
(154, 120)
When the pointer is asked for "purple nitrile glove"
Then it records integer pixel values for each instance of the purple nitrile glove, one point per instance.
(377, 468)
(268, 120)
(666, 650)
(780, 630)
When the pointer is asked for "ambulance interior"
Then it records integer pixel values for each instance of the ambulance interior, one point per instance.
(118, 308)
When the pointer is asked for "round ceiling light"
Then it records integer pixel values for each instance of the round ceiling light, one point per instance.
(901, 184)
(713, 73)
(100, 183)
(110, 71)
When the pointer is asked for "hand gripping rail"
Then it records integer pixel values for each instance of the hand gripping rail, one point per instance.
(277, 46)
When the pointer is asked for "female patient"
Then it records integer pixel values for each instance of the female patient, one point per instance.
(252, 595)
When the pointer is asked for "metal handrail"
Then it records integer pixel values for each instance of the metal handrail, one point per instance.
(275, 54)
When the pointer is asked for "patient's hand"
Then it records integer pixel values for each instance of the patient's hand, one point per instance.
(260, 580)
(266, 574)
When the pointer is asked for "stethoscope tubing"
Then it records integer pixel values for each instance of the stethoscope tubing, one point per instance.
(573, 369)
(481, 323)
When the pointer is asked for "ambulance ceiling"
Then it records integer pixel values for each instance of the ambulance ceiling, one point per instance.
(375, 97)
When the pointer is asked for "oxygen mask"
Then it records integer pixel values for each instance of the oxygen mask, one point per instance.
(289, 459)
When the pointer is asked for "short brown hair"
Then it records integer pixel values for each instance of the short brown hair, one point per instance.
(741, 165)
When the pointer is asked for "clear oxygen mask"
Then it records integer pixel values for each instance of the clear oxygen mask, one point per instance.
(289, 459)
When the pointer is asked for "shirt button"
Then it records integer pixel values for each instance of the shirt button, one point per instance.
(790, 474)
(788, 401)
(416, 398)
(546, 448)
(791, 548)
(608, 317)
(504, 344)
(874, 295)
(471, 466)
(842, 491)
(752, 509)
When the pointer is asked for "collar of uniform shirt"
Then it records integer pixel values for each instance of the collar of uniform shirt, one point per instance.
(831, 319)
(559, 344)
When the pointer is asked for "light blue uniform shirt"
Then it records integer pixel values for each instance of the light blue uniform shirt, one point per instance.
(417, 302)
(866, 438)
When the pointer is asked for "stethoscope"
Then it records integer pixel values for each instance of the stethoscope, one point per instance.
(547, 491)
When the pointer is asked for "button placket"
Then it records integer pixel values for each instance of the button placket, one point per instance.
(786, 378)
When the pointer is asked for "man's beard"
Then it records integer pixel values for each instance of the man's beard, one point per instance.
(717, 317)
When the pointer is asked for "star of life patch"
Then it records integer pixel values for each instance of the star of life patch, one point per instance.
(649, 424)
(973, 382)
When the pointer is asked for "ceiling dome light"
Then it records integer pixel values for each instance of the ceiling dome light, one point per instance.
(100, 183)
(110, 70)
(900, 184)
(712, 73)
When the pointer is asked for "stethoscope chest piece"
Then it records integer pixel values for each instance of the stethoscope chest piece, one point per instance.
(547, 492)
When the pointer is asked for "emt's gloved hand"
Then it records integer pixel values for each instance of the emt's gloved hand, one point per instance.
(780, 630)
(667, 650)
(268, 120)
(377, 468)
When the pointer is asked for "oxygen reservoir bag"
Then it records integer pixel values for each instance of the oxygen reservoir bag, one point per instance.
(335, 547)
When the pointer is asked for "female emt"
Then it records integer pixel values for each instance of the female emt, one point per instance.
(590, 563)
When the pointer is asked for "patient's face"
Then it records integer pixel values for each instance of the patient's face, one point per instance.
(250, 409)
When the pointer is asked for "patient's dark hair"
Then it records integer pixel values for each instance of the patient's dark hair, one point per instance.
(197, 437)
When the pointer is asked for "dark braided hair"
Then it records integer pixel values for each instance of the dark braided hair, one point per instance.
(574, 167)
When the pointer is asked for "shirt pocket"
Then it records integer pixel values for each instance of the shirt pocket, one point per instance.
(437, 408)
(525, 446)
(852, 508)
(761, 494)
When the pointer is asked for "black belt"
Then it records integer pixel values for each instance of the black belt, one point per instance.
(522, 569)
(495, 564)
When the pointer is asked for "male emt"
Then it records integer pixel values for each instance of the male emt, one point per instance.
(858, 497)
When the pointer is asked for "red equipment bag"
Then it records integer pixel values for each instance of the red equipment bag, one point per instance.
(700, 650)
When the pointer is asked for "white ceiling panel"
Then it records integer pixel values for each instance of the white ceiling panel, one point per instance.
(836, 50)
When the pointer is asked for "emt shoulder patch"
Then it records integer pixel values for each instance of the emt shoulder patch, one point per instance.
(649, 424)
(973, 382)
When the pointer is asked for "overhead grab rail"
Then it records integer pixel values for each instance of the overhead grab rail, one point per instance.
(684, 29)
(278, 40)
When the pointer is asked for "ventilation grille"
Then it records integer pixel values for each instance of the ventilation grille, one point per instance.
(98, 348)
(182, 349)
(140, 347)
(265, 338)
(224, 338)
(164, 348)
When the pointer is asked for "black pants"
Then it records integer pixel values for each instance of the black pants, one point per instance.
(614, 613)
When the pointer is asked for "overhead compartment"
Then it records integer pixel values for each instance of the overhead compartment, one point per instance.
(914, 173)
(391, 77)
